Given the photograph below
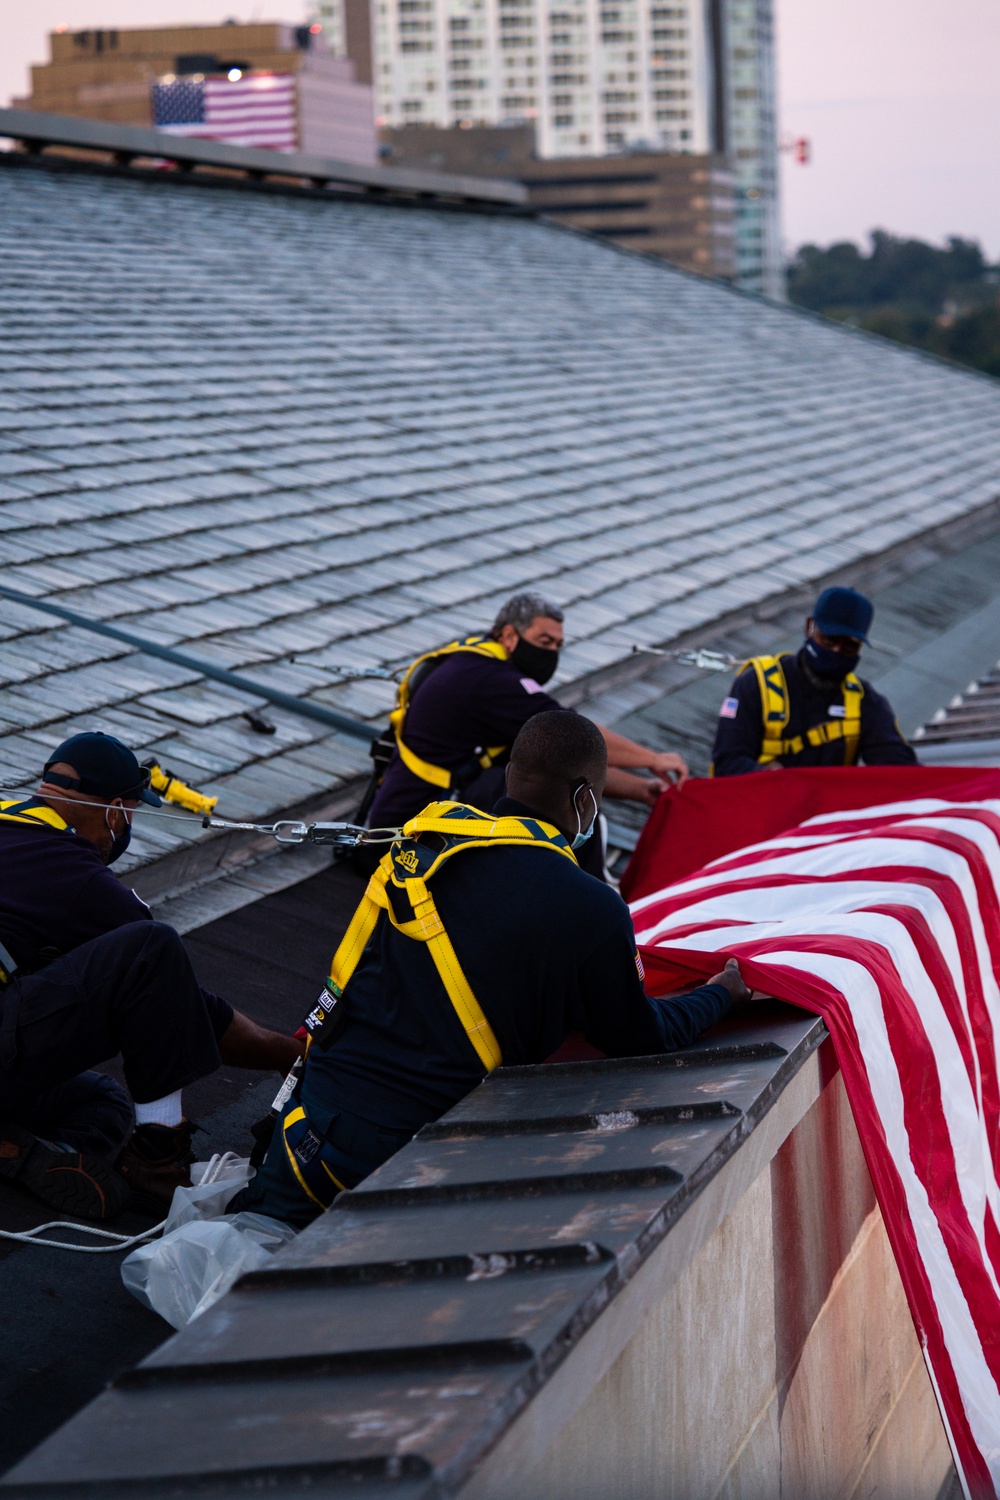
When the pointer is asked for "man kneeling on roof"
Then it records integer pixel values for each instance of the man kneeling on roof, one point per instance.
(459, 708)
(86, 975)
(452, 966)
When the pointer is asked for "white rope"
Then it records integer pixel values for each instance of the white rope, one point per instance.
(216, 1166)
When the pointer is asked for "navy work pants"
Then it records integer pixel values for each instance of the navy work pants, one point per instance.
(353, 1148)
(132, 992)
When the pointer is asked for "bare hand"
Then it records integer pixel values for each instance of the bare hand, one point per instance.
(649, 790)
(668, 766)
(731, 980)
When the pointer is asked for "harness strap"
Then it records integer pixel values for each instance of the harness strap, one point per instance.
(440, 776)
(402, 877)
(776, 710)
(306, 1151)
(32, 811)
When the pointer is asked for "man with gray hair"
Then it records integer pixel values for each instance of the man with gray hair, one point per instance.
(460, 708)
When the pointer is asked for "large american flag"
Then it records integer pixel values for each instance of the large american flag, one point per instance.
(257, 109)
(881, 911)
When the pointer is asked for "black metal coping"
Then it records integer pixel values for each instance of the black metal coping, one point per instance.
(126, 144)
(395, 1340)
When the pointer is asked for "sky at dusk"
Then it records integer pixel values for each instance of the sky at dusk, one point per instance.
(899, 99)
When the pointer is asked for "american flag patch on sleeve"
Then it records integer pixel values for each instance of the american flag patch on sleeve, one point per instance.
(729, 707)
(638, 964)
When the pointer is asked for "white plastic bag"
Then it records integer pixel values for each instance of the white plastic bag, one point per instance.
(214, 1183)
(203, 1251)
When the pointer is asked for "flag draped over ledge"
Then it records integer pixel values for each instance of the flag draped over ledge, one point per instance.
(873, 897)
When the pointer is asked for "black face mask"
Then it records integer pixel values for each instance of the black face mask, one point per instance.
(826, 663)
(536, 662)
(120, 841)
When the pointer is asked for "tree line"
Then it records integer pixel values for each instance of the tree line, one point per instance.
(946, 300)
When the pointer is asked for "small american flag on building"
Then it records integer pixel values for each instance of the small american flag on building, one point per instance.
(257, 109)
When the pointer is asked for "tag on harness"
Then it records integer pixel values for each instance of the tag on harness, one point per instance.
(837, 711)
(8, 968)
(328, 1017)
(288, 1088)
(308, 1147)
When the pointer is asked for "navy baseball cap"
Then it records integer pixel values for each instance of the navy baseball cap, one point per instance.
(840, 611)
(104, 768)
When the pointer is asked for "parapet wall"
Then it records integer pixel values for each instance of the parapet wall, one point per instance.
(653, 1277)
(778, 1360)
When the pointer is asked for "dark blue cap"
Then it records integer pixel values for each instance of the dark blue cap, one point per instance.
(104, 768)
(840, 611)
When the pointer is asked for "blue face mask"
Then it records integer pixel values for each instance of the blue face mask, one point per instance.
(827, 663)
(120, 841)
(583, 834)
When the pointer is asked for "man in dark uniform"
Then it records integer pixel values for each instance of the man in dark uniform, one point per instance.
(85, 975)
(454, 734)
(809, 708)
(536, 950)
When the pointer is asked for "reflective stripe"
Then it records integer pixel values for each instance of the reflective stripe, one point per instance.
(32, 811)
(776, 711)
(402, 878)
(312, 1173)
(440, 776)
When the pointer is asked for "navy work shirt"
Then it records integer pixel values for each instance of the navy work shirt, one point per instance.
(56, 893)
(467, 702)
(547, 950)
(740, 732)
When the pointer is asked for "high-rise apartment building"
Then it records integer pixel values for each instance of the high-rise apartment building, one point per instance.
(746, 131)
(594, 78)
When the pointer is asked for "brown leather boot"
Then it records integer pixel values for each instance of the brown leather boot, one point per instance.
(66, 1180)
(157, 1159)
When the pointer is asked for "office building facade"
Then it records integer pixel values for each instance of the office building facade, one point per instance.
(593, 78)
(127, 76)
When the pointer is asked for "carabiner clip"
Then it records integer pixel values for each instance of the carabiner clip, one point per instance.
(297, 832)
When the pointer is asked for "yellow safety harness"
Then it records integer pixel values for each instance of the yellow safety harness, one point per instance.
(399, 888)
(32, 811)
(440, 776)
(776, 710)
(29, 811)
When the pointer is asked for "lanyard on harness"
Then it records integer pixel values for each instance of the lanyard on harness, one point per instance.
(440, 776)
(776, 710)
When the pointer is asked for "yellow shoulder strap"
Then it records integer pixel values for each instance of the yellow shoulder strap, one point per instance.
(440, 776)
(853, 695)
(468, 829)
(30, 811)
(774, 706)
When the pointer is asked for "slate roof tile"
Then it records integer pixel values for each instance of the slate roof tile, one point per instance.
(353, 473)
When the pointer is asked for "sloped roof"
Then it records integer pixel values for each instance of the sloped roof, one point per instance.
(268, 427)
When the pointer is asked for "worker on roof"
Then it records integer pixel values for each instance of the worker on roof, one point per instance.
(459, 709)
(85, 974)
(810, 708)
(479, 942)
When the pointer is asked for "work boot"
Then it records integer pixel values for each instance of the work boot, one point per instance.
(157, 1159)
(66, 1180)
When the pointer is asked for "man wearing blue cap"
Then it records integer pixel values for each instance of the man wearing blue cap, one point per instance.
(810, 708)
(85, 975)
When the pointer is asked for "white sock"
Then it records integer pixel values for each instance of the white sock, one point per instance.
(165, 1111)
